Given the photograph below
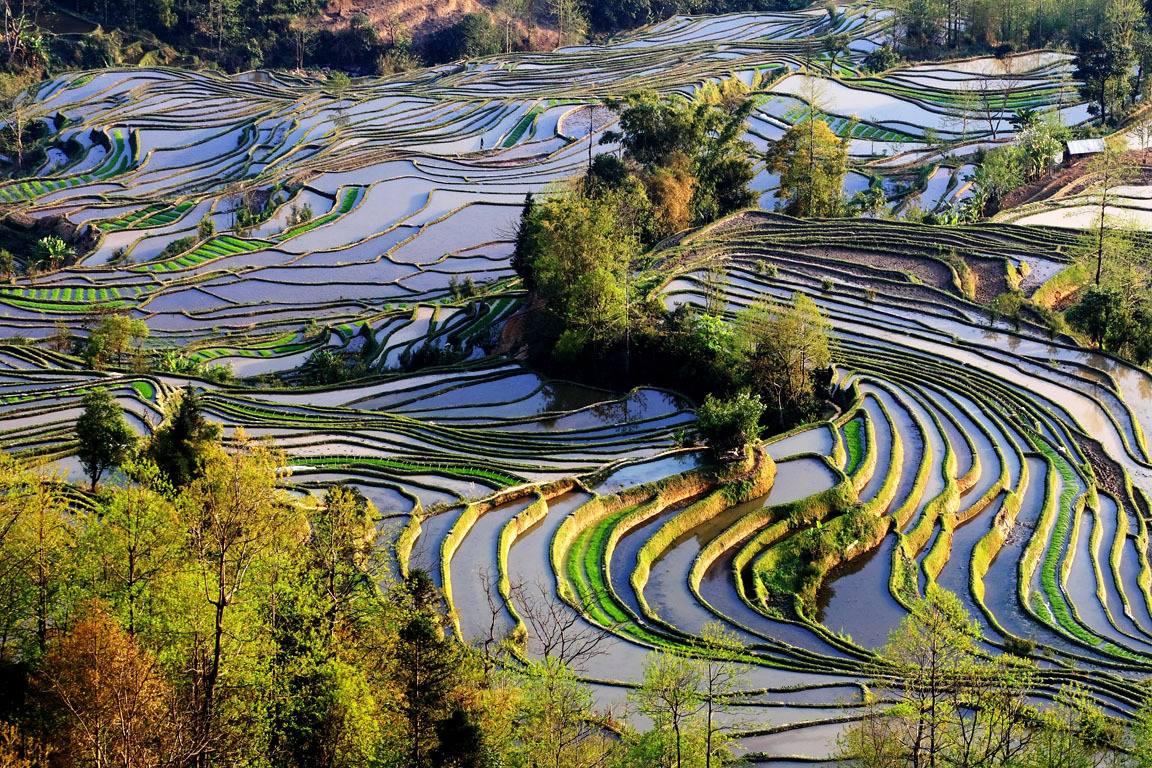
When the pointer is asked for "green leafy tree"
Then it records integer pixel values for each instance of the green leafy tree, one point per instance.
(1001, 173)
(554, 719)
(670, 695)
(52, 251)
(343, 549)
(784, 348)
(235, 517)
(726, 426)
(583, 252)
(206, 228)
(134, 545)
(953, 706)
(180, 444)
(1112, 167)
(526, 246)
(1103, 66)
(114, 335)
(811, 161)
(35, 558)
(700, 142)
(836, 45)
(427, 665)
(338, 84)
(105, 438)
(720, 677)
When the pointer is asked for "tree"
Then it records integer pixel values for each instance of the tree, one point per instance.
(1040, 141)
(342, 546)
(918, 24)
(1001, 173)
(526, 246)
(698, 144)
(726, 426)
(720, 677)
(952, 706)
(580, 263)
(114, 334)
(1142, 736)
(836, 45)
(1094, 313)
(427, 664)
(13, 103)
(459, 742)
(7, 263)
(554, 717)
(105, 438)
(35, 555)
(1141, 133)
(181, 443)
(206, 228)
(569, 18)
(670, 695)
(338, 84)
(555, 631)
(52, 251)
(134, 542)
(1113, 167)
(784, 347)
(881, 59)
(1103, 65)
(472, 36)
(234, 516)
(671, 191)
(811, 161)
(113, 695)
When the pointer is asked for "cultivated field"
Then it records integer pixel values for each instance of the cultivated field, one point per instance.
(1007, 466)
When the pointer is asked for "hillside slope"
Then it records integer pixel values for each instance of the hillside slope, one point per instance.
(419, 17)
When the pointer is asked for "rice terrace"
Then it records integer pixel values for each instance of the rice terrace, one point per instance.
(870, 353)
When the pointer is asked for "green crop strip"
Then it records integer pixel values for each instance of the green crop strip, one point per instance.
(144, 389)
(496, 477)
(854, 445)
(522, 126)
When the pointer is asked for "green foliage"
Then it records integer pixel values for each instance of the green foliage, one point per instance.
(105, 438)
(114, 336)
(177, 247)
(728, 425)
(555, 719)
(1104, 62)
(785, 348)
(527, 234)
(1001, 173)
(881, 59)
(472, 36)
(691, 151)
(179, 445)
(581, 254)
(206, 228)
(811, 161)
(53, 252)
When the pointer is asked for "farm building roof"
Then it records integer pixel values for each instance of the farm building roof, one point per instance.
(1085, 146)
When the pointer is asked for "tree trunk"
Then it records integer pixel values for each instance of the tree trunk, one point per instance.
(214, 671)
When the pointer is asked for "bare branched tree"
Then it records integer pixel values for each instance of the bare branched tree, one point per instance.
(558, 630)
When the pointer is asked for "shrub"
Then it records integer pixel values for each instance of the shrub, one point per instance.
(883, 58)
(1019, 646)
(726, 426)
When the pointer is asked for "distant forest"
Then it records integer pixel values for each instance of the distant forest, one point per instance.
(237, 35)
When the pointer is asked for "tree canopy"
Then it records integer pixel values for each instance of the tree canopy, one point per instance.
(105, 438)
